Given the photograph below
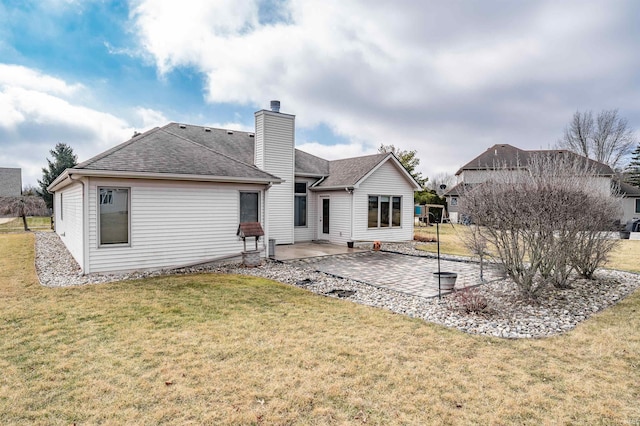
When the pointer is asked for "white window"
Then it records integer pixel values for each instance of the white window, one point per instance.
(113, 219)
(384, 211)
(249, 207)
(454, 201)
(300, 204)
(637, 205)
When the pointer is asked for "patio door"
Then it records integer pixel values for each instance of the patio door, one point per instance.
(325, 218)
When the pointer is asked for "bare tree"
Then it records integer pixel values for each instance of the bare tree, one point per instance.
(607, 139)
(29, 205)
(435, 182)
(543, 221)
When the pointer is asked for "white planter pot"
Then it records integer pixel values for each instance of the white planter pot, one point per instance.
(447, 280)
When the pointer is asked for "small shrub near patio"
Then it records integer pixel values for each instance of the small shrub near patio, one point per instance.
(471, 300)
(424, 238)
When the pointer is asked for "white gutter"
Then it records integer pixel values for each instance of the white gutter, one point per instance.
(156, 176)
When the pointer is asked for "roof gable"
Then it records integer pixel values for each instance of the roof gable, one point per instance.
(351, 172)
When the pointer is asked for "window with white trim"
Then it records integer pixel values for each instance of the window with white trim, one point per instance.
(300, 204)
(637, 205)
(249, 207)
(113, 216)
(384, 211)
(61, 209)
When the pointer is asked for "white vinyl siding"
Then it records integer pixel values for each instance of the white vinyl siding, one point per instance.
(340, 216)
(172, 223)
(274, 153)
(630, 209)
(308, 233)
(387, 180)
(70, 228)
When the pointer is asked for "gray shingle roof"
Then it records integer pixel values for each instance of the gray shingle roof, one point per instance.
(504, 154)
(310, 164)
(160, 150)
(197, 150)
(629, 190)
(163, 150)
(349, 171)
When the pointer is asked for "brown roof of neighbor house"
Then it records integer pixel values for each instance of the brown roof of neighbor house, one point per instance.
(512, 157)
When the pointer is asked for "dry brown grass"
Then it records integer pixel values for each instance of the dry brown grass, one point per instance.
(451, 239)
(34, 223)
(624, 257)
(220, 349)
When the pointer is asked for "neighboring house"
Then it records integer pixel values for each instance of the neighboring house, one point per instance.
(175, 196)
(10, 182)
(630, 201)
(482, 168)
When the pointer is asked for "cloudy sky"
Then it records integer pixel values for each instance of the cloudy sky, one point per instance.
(446, 78)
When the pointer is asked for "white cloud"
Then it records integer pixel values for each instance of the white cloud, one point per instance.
(38, 110)
(149, 118)
(335, 152)
(27, 78)
(447, 80)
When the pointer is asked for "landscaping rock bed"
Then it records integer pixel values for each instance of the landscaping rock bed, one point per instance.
(508, 315)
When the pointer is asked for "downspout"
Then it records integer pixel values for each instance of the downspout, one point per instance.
(350, 192)
(266, 220)
(85, 236)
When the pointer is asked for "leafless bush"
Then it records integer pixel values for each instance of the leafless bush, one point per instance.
(28, 205)
(543, 220)
(424, 238)
(471, 300)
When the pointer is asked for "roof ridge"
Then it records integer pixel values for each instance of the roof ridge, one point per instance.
(205, 127)
(116, 148)
(253, 166)
(361, 156)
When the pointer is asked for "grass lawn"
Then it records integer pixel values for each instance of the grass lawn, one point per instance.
(624, 257)
(34, 223)
(221, 349)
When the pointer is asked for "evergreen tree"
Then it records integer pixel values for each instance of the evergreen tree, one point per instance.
(633, 170)
(63, 158)
(408, 159)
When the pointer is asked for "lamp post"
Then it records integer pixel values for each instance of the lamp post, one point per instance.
(438, 245)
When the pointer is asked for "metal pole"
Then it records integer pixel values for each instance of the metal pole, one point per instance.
(438, 243)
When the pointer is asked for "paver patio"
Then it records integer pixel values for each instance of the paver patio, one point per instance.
(399, 272)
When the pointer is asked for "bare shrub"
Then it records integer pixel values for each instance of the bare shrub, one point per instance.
(424, 238)
(471, 300)
(543, 219)
(28, 205)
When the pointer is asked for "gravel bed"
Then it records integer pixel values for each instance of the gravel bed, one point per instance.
(507, 315)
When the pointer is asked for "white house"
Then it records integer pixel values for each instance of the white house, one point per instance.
(175, 195)
(482, 168)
